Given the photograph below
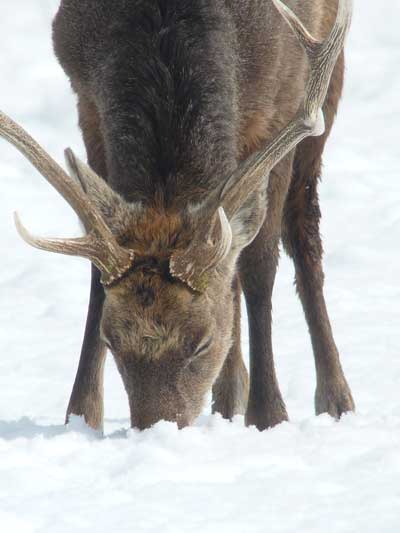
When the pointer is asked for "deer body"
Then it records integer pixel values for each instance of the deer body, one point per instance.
(174, 96)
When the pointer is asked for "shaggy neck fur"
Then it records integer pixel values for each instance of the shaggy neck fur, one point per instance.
(164, 79)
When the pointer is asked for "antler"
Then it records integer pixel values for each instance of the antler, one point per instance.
(309, 120)
(209, 246)
(192, 265)
(99, 245)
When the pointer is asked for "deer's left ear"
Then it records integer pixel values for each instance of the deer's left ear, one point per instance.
(247, 221)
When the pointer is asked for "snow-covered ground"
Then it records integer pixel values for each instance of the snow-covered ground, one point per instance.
(309, 475)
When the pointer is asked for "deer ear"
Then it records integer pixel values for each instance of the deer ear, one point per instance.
(107, 201)
(91, 183)
(247, 221)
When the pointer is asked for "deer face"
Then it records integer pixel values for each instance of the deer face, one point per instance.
(168, 320)
(169, 342)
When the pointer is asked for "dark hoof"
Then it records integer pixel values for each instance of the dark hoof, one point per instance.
(334, 398)
(267, 416)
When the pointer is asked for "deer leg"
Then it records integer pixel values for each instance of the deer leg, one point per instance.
(302, 241)
(258, 265)
(231, 389)
(87, 393)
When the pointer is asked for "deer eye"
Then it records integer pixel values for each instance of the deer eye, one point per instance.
(200, 350)
(203, 347)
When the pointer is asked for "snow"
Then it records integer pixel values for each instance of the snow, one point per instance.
(309, 475)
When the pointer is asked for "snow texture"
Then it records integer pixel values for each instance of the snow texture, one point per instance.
(309, 475)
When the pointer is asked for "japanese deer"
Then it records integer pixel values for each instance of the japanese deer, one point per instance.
(204, 123)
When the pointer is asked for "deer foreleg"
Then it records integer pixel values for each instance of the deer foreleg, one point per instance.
(87, 394)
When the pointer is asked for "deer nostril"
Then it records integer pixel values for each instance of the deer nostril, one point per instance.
(182, 421)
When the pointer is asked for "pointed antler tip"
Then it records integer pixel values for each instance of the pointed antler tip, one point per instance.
(17, 220)
(22, 231)
(280, 6)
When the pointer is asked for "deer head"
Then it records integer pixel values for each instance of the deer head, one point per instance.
(167, 273)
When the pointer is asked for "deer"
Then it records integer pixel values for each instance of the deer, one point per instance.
(204, 124)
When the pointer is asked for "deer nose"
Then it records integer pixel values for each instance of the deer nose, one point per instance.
(147, 420)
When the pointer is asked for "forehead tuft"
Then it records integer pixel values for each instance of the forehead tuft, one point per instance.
(158, 232)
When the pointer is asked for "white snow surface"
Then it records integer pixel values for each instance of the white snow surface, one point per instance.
(309, 475)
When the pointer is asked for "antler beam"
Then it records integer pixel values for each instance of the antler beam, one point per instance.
(309, 120)
(99, 245)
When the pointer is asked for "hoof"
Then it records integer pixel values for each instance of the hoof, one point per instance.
(267, 416)
(334, 397)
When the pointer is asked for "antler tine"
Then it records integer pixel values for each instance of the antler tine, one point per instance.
(52, 172)
(303, 35)
(93, 249)
(100, 245)
(309, 120)
(321, 54)
(209, 246)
